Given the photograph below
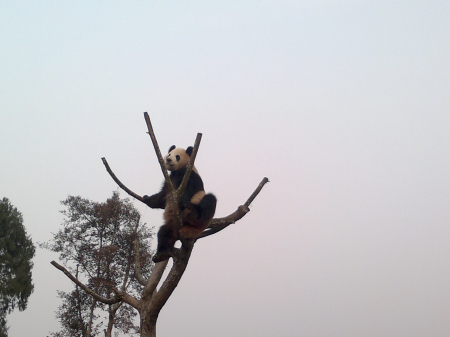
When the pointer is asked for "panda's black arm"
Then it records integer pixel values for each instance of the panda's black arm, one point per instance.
(185, 199)
(194, 185)
(157, 200)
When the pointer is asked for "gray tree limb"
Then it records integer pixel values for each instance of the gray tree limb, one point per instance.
(84, 287)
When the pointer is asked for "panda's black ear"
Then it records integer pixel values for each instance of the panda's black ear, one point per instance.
(171, 148)
(189, 150)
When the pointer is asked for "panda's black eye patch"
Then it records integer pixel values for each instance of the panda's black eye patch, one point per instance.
(178, 158)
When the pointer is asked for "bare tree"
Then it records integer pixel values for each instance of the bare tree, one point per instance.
(152, 300)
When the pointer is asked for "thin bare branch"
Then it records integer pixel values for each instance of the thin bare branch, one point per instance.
(217, 224)
(158, 151)
(118, 182)
(190, 165)
(256, 192)
(84, 287)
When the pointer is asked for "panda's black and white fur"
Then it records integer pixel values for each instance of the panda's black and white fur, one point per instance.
(196, 208)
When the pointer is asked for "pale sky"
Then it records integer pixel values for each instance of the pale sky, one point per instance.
(343, 105)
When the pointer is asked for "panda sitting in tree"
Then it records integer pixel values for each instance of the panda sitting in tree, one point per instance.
(196, 208)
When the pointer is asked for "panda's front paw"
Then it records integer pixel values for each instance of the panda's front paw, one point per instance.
(150, 201)
(189, 207)
(183, 202)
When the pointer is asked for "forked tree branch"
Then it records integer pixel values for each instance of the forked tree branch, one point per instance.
(190, 165)
(171, 281)
(127, 298)
(154, 279)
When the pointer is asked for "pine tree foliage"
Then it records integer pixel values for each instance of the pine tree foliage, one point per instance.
(16, 252)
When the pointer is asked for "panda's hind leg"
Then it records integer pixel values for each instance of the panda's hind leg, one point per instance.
(196, 218)
(166, 242)
(207, 208)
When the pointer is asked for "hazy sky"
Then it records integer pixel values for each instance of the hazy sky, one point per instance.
(343, 105)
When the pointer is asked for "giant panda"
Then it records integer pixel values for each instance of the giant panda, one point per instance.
(196, 207)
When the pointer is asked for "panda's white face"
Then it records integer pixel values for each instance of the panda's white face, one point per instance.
(176, 159)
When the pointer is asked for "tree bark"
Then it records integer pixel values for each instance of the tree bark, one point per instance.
(148, 324)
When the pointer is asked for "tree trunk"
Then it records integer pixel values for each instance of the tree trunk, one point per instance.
(111, 320)
(152, 303)
(148, 324)
(91, 317)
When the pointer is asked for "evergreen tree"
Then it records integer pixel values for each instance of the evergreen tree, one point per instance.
(16, 252)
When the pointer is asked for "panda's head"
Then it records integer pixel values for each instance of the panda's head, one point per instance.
(177, 158)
